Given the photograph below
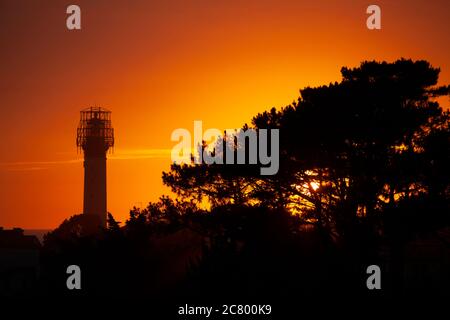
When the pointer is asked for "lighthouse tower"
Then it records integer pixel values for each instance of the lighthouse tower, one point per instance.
(95, 136)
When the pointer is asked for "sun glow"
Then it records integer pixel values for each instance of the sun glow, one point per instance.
(314, 185)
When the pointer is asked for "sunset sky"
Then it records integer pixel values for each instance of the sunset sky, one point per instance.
(160, 65)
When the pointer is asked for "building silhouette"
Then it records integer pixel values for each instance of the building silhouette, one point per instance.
(19, 262)
(95, 136)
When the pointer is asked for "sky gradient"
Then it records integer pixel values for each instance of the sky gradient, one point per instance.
(160, 65)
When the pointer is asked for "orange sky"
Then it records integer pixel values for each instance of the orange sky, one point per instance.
(160, 65)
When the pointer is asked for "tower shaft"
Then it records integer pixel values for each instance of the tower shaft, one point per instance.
(95, 187)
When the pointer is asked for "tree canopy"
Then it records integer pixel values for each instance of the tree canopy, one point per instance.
(348, 150)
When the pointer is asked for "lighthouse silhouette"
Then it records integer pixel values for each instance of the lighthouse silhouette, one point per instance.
(95, 136)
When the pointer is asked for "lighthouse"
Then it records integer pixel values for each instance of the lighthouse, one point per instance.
(95, 136)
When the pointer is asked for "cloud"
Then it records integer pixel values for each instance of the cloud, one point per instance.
(33, 165)
(26, 169)
(118, 154)
(131, 154)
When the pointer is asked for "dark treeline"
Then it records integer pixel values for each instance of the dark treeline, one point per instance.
(363, 179)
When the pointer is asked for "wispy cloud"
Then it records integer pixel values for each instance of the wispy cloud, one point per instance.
(19, 166)
(130, 154)
(119, 154)
(31, 163)
(26, 169)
